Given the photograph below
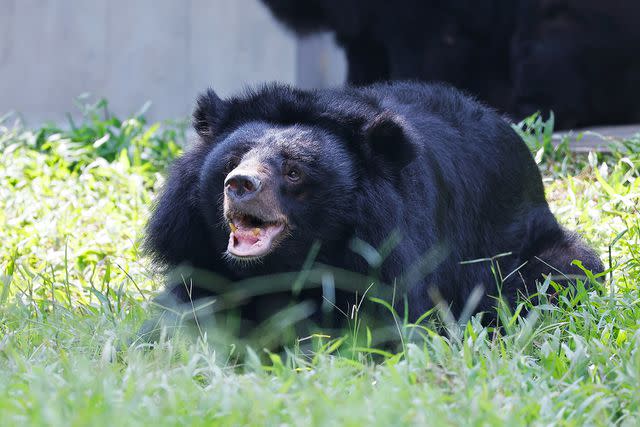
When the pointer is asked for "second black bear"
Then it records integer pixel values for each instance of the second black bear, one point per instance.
(278, 169)
(577, 58)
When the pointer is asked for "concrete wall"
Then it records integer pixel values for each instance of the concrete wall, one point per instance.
(165, 51)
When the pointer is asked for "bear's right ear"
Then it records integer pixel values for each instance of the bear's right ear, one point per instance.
(206, 116)
(387, 137)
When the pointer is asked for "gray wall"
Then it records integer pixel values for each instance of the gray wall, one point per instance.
(165, 51)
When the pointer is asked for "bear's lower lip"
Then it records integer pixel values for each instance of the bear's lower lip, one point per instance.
(247, 241)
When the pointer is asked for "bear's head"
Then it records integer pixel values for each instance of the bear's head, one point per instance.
(272, 173)
(274, 186)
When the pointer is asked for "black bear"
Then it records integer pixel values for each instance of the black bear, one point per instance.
(428, 40)
(279, 171)
(578, 58)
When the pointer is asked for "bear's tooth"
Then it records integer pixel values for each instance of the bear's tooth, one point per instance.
(256, 231)
(233, 227)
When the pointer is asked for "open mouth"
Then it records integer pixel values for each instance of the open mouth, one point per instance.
(252, 237)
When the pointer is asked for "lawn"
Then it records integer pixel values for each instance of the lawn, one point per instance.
(75, 290)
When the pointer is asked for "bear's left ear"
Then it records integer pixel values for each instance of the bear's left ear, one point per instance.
(388, 139)
(206, 116)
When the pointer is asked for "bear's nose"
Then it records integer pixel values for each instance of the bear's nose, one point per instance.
(242, 186)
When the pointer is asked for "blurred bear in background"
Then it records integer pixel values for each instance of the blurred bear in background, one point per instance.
(577, 58)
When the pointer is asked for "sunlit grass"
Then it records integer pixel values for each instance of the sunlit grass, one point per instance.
(75, 290)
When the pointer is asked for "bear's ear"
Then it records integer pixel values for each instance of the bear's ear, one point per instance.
(387, 138)
(206, 116)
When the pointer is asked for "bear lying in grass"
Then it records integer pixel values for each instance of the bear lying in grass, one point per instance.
(424, 174)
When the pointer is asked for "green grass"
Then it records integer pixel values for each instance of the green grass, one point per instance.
(75, 290)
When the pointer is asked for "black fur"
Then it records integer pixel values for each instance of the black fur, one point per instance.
(579, 58)
(441, 170)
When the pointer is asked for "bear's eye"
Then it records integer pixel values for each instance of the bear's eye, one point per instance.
(293, 175)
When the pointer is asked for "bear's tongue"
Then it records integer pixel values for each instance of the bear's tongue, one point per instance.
(247, 241)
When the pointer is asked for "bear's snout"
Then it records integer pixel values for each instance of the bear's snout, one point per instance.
(249, 191)
(256, 225)
(242, 186)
